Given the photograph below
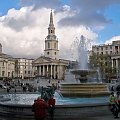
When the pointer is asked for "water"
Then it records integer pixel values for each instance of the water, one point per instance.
(82, 55)
(81, 45)
(69, 78)
(28, 99)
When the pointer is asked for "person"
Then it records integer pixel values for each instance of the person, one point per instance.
(118, 99)
(51, 106)
(40, 109)
(113, 105)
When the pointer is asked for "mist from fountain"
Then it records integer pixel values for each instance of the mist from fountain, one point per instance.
(82, 53)
(81, 69)
(81, 46)
(89, 79)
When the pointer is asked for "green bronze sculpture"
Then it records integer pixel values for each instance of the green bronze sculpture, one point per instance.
(47, 92)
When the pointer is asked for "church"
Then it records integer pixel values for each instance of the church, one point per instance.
(49, 65)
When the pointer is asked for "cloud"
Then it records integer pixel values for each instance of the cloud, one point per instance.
(114, 38)
(88, 13)
(37, 4)
(23, 32)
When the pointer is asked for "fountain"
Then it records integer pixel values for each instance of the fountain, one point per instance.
(83, 94)
(81, 73)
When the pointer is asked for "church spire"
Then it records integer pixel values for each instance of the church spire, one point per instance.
(51, 19)
(51, 28)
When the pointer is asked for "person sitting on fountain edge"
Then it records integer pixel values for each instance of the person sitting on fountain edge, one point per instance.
(51, 106)
(39, 108)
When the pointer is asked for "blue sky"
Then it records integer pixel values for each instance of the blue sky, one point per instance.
(5, 5)
(112, 29)
(97, 20)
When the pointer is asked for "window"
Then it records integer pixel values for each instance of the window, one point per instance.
(28, 72)
(97, 49)
(48, 45)
(101, 48)
(3, 63)
(55, 53)
(3, 73)
(8, 74)
(54, 45)
(51, 31)
(48, 53)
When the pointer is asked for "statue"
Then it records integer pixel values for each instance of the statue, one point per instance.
(47, 92)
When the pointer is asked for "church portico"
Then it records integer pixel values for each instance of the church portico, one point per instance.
(50, 71)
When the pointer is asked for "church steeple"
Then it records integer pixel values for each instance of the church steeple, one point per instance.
(51, 28)
(51, 41)
(51, 20)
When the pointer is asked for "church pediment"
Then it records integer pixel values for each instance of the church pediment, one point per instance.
(42, 60)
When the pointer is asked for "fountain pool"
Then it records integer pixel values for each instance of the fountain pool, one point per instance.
(28, 99)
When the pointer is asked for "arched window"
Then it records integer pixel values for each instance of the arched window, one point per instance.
(54, 45)
(48, 45)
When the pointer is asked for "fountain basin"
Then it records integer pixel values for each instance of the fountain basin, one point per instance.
(83, 72)
(66, 108)
(64, 112)
(83, 75)
(84, 90)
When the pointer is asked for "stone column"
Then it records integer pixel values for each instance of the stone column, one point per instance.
(47, 71)
(40, 70)
(58, 71)
(112, 63)
(116, 63)
(51, 72)
(54, 71)
(43, 70)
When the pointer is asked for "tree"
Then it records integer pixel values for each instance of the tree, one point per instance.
(104, 62)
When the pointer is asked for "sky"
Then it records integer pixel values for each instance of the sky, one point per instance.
(24, 25)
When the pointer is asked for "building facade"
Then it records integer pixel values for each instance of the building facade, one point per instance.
(49, 65)
(111, 49)
(23, 68)
(7, 65)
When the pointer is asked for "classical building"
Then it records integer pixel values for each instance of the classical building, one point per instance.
(50, 65)
(23, 68)
(7, 65)
(112, 49)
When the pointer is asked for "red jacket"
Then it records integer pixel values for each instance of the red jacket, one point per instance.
(51, 102)
(39, 108)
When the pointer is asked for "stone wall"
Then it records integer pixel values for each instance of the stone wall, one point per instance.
(62, 112)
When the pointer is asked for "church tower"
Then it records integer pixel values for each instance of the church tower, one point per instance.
(51, 41)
